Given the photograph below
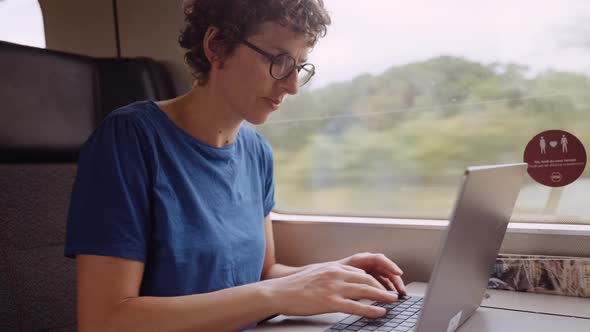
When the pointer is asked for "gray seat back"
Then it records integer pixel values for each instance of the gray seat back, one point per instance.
(51, 102)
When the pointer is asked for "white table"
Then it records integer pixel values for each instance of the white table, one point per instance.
(502, 311)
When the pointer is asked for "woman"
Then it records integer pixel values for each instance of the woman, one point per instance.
(169, 217)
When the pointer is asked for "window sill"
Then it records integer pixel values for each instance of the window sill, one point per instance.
(430, 224)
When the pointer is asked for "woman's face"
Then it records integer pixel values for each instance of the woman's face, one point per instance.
(247, 87)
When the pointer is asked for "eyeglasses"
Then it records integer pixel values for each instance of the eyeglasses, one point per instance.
(282, 65)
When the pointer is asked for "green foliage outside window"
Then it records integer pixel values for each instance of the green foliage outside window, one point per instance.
(396, 144)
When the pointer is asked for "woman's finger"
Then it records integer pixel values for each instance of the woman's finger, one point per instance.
(361, 291)
(386, 282)
(399, 284)
(392, 281)
(362, 278)
(388, 265)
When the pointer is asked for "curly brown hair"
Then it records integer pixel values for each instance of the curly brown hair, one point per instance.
(237, 19)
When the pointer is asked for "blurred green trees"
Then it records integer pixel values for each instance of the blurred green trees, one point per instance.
(402, 139)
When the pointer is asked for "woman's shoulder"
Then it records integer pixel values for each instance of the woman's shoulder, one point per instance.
(136, 111)
(138, 117)
(123, 125)
(121, 138)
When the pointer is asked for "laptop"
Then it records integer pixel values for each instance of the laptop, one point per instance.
(460, 276)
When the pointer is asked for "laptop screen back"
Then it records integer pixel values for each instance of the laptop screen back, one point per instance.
(468, 250)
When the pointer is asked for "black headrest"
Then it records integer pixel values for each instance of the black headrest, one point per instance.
(51, 101)
(123, 81)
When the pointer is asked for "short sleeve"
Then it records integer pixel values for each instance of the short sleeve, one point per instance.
(269, 179)
(109, 212)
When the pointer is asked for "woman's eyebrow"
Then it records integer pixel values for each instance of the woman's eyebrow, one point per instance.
(282, 51)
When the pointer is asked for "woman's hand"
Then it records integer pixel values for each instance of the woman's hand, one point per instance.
(330, 287)
(380, 267)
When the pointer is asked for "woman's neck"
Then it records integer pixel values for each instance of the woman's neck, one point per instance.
(203, 115)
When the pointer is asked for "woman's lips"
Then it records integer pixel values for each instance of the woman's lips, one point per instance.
(275, 103)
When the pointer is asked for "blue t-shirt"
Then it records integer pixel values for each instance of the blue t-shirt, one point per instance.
(194, 214)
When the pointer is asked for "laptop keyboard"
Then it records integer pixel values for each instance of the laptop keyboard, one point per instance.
(401, 316)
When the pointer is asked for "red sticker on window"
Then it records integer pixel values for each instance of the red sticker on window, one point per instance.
(556, 158)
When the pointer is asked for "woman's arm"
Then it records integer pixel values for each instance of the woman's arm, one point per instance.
(108, 298)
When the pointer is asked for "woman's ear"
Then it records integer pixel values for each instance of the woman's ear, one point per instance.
(212, 48)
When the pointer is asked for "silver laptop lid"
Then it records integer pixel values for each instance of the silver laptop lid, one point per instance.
(468, 250)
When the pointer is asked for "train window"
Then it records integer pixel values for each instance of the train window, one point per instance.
(409, 93)
(21, 22)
